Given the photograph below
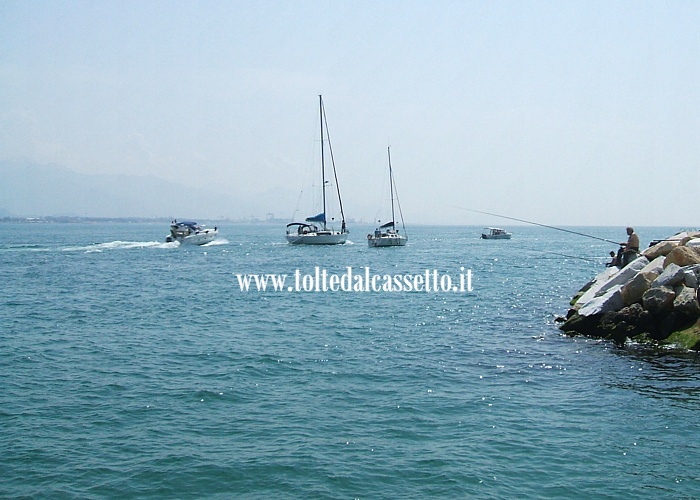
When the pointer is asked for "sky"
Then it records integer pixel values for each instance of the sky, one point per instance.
(563, 113)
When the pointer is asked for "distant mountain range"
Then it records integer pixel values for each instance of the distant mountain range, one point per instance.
(31, 190)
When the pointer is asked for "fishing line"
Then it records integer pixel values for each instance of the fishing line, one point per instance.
(538, 224)
(571, 256)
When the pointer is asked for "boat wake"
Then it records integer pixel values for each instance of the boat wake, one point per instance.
(216, 242)
(120, 245)
(28, 247)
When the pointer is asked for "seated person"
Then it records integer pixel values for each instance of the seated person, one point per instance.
(613, 260)
(628, 250)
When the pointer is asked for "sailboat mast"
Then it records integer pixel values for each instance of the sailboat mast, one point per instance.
(323, 163)
(391, 187)
(343, 229)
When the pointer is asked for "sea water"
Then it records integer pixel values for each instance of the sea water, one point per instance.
(131, 367)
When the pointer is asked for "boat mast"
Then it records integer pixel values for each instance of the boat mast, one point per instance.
(323, 163)
(391, 187)
(343, 229)
(398, 201)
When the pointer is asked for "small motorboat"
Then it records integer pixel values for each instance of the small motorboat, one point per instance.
(191, 233)
(495, 233)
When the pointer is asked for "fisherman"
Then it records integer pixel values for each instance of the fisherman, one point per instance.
(613, 260)
(628, 250)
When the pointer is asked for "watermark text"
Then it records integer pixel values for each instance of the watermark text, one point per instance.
(320, 280)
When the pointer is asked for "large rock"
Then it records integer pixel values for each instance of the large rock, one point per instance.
(655, 266)
(683, 256)
(626, 274)
(659, 299)
(695, 242)
(686, 302)
(680, 237)
(583, 290)
(671, 322)
(627, 322)
(633, 291)
(593, 287)
(662, 248)
(609, 301)
(687, 338)
(692, 275)
(584, 325)
(672, 275)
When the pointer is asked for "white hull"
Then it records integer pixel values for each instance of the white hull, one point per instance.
(495, 233)
(324, 238)
(201, 238)
(387, 241)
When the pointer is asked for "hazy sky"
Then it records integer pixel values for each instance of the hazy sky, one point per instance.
(566, 113)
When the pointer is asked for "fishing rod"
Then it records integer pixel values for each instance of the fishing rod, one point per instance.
(571, 256)
(538, 224)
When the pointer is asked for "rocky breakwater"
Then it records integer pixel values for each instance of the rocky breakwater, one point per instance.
(653, 299)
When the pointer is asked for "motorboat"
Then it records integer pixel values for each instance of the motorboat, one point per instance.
(495, 233)
(191, 233)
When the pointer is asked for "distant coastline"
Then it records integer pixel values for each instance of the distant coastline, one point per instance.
(72, 219)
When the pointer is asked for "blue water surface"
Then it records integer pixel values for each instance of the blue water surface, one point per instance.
(135, 368)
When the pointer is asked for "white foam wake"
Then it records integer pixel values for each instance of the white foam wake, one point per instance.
(121, 245)
(216, 242)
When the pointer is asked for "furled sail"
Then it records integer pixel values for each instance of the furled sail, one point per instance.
(317, 218)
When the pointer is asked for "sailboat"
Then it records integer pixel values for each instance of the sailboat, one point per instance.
(315, 230)
(387, 235)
